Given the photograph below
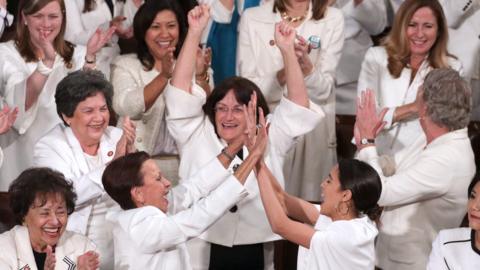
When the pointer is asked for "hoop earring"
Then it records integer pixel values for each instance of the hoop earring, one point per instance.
(342, 210)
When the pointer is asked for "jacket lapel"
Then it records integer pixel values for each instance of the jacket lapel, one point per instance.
(64, 254)
(25, 258)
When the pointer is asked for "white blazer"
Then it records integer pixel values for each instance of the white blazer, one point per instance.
(367, 19)
(198, 143)
(427, 193)
(454, 249)
(391, 92)
(147, 238)
(31, 125)
(17, 250)
(60, 150)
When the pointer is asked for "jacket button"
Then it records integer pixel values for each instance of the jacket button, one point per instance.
(139, 140)
(144, 121)
(233, 209)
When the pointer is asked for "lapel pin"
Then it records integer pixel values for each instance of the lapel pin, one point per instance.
(272, 42)
(110, 153)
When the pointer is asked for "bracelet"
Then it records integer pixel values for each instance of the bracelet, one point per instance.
(90, 61)
(43, 69)
(224, 152)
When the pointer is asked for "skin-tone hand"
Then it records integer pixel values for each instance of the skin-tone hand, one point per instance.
(50, 259)
(198, 18)
(302, 49)
(203, 61)
(284, 36)
(137, 3)
(7, 118)
(126, 144)
(3, 4)
(167, 63)
(357, 2)
(98, 40)
(46, 51)
(250, 113)
(121, 31)
(88, 261)
(368, 123)
(261, 137)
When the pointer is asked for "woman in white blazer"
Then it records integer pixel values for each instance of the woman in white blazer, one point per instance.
(86, 16)
(29, 83)
(41, 200)
(416, 44)
(81, 147)
(315, 153)
(156, 221)
(202, 128)
(459, 248)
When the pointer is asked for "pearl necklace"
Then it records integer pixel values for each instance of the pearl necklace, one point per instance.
(291, 19)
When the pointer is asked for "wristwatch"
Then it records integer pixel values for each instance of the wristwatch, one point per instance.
(365, 141)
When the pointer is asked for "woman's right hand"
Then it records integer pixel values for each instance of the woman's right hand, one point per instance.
(167, 63)
(126, 144)
(198, 18)
(7, 118)
(50, 259)
(284, 36)
(47, 50)
(88, 261)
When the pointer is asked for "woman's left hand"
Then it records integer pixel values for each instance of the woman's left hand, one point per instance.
(202, 64)
(302, 49)
(198, 18)
(284, 36)
(7, 118)
(50, 259)
(88, 261)
(129, 130)
(250, 113)
(368, 123)
(98, 40)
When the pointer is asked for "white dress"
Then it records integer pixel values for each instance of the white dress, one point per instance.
(31, 125)
(342, 244)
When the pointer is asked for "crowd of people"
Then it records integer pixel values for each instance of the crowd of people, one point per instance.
(216, 136)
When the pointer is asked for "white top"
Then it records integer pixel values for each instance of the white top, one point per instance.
(31, 125)
(392, 92)
(454, 249)
(197, 143)
(342, 244)
(6, 19)
(17, 250)
(426, 193)
(147, 238)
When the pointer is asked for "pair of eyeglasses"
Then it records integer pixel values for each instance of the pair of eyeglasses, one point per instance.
(225, 110)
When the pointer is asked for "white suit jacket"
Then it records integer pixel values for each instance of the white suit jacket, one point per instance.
(198, 143)
(427, 193)
(31, 125)
(17, 250)
(454, 249)
(391, 92)
(367, 19)
(147, 238)
(61, 151)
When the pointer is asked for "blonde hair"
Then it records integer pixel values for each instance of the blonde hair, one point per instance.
(397, 45)
(22, 36)
(319, 7)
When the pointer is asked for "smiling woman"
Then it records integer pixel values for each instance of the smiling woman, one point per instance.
(82, 147)
(42, 200)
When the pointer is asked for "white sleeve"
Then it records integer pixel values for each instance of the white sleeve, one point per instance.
(436, 258)
(48, 154)
(371, 15)
(456, 10)
(128, 98)
(419, 182)
(152, 234)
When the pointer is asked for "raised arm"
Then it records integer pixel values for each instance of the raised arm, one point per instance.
(185, 66)
(285, 40)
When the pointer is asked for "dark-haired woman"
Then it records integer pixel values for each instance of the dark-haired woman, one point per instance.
(81, 148)
(202, 126)
(139, 80)
(31, 65)
(41, 200)
(341, 234)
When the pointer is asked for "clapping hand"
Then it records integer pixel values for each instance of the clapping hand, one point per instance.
(167, 63)
(256, 134)
(368, 123)
(46, 49)
(198, 18)
(203, 61)
(7, 118)
(98, 40)
(88, 261)
(50, 259)
(121, 31)
(126, 144)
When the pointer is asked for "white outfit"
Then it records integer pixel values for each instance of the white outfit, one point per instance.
(390, 93)
(147, 238)
(367, 19)
(129, 79)
(198, 143)
(425, 195)
(454, 249)
(315, 153)
(31, 125)
(6, 19)
(80, 26)
(342, 244)
(17, 250)
(60, 150)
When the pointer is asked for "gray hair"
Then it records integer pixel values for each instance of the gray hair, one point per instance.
(448, 98)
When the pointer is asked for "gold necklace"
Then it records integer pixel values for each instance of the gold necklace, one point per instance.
(291, 19)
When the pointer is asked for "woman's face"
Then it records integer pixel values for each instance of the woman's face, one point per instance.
(422, 31)
(47, 222)
(90, 119)
(45, 23)
(332, 193)
(229, 118)
(474, 208)
(162, 34)
(155, 186)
